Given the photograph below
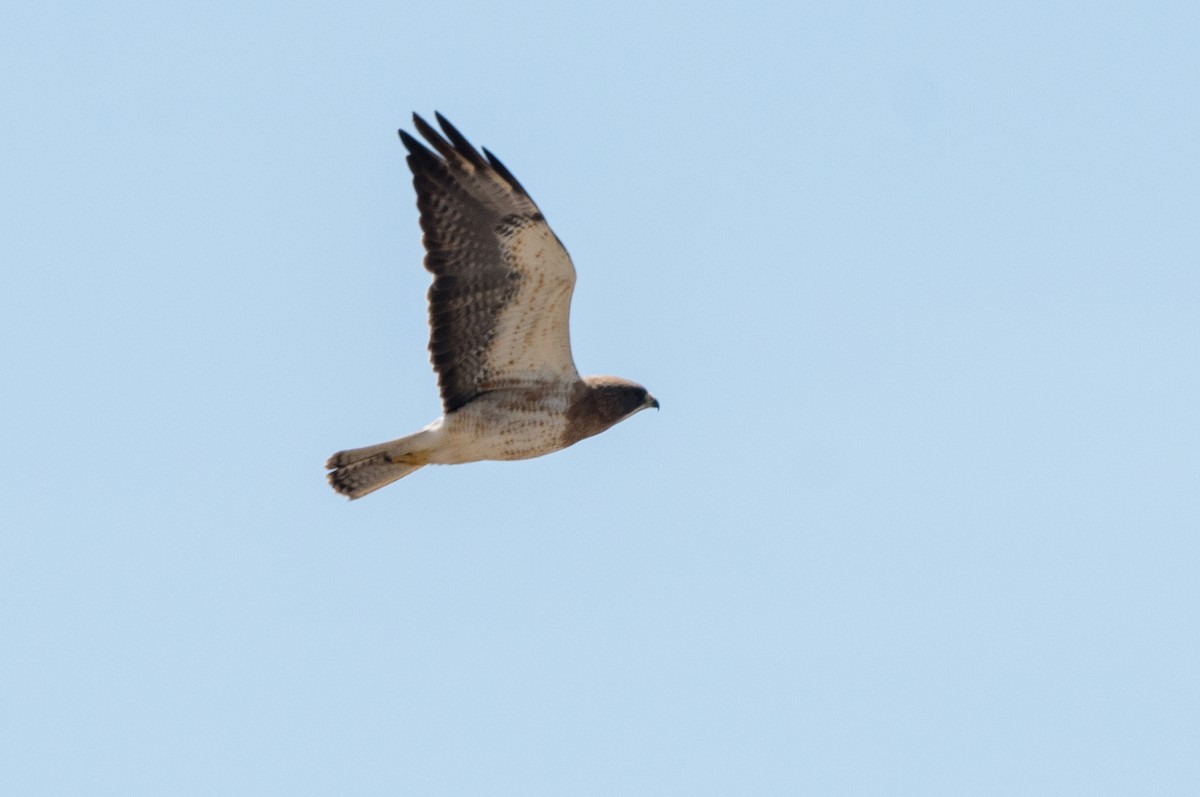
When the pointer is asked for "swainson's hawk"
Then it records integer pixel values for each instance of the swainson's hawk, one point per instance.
(498, 314)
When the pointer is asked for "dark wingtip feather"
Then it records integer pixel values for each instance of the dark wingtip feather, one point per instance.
(410, 143)
(420, 159)
(424, 128)
(433, 137)
(461, 145)
(503, 171)
(456, 149)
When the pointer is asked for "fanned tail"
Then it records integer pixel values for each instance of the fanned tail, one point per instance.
(360, 471)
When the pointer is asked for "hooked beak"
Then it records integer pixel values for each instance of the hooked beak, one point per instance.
(651, 401)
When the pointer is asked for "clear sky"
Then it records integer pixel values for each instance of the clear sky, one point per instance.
(918, 287)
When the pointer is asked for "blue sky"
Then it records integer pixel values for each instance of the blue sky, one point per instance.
(916, 284)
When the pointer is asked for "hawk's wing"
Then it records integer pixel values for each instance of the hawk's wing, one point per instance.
(501, 296)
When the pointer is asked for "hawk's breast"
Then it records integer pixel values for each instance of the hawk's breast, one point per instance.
(513, 423)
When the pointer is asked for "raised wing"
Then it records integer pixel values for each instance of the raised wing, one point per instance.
(500, 302)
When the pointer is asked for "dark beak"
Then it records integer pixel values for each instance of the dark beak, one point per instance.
(651, 401)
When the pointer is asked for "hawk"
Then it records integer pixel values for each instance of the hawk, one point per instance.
(499, 313)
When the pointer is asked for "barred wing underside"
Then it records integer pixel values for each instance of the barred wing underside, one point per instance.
(499, 306)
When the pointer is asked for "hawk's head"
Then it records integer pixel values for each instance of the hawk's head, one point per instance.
(602, 402)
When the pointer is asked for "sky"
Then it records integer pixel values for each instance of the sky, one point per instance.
(917, 286)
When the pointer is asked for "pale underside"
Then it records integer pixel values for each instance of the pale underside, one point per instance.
(503, 425)
(532, 344)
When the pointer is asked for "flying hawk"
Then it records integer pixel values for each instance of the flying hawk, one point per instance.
(499, 340)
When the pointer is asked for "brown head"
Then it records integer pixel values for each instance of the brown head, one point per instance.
(601, 402)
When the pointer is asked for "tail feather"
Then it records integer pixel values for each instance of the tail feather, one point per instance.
(357, 479)
(349, 457)
(359, 471)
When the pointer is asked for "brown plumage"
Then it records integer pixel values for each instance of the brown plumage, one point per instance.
(499, 338)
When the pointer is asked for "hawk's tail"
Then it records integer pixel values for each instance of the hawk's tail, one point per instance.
(360, 471)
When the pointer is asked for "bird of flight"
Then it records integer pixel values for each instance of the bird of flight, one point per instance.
(499, 335)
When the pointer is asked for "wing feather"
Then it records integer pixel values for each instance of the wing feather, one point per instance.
(499, 306)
